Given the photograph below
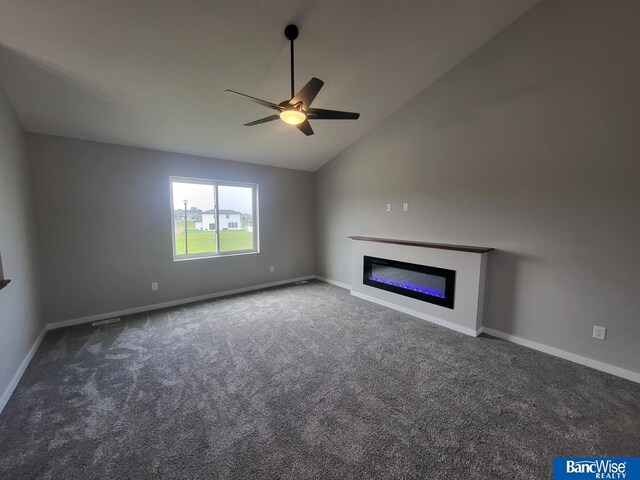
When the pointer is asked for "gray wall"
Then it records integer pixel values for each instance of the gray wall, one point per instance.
(104, 226)
(531, 145)
(19, 319)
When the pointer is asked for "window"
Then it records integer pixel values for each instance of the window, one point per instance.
(211, 218)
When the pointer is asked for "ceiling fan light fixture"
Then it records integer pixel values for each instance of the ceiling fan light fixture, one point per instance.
(292, 117)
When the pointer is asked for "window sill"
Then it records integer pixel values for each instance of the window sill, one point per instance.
(215, 255)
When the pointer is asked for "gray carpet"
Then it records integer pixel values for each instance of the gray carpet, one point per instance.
(303, 382)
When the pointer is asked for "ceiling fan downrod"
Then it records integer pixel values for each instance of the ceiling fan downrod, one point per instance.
(291, 32)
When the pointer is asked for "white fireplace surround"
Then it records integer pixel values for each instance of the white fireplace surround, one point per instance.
(468, 262)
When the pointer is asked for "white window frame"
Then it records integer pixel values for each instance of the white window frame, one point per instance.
(215, 184)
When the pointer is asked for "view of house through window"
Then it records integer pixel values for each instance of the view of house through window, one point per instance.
(212, 218)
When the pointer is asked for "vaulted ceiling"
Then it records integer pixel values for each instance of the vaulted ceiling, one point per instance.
(153, 73)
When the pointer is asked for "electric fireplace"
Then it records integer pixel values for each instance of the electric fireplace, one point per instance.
(430, 284)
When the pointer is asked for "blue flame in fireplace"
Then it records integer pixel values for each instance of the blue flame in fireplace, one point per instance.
(434, 292)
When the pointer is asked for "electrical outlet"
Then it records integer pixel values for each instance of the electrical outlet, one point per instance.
(599, 332)
(272, 268)
(405, 207)
(388, 207)
(154, 286)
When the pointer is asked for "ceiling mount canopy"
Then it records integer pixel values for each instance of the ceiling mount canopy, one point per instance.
(297, 110)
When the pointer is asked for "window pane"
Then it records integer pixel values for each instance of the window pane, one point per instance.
(199, 236)
(236, 218)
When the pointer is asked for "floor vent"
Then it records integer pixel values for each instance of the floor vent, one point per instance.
(105, 322)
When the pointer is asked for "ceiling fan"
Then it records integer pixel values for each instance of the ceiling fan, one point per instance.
(297, 110)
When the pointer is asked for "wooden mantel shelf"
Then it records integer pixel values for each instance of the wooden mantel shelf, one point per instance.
(409, 243)
(4, 283)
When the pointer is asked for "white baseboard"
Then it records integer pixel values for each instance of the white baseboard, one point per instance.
(333, 282)
(572, 357)
(21, 369)
(415, 313)
(172, 303)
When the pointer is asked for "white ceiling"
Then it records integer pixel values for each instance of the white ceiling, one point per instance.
(153, 73)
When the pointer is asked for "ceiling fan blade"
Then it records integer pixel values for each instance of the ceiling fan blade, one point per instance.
(270, 118)
(322, 114)
(305, 128)
(264, 103)
(307, 93)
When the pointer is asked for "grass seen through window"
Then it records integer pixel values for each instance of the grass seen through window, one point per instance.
(205, 242)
